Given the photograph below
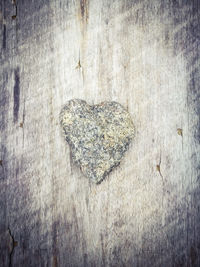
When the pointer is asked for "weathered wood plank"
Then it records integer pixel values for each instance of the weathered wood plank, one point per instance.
(143, 54)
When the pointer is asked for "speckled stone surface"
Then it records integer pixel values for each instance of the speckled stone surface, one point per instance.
(98, 135)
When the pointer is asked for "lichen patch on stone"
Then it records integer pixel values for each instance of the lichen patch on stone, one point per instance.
(98, 135)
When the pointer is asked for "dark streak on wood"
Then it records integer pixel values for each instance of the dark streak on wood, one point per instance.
(193, 255)
(4, 101)
(85, 260)
(16, 94)
(103, 251)
(4, 164)
(54, 245)
(71, 162)
(55, 261)
(84, 9)
(4, 36)
(23, 120)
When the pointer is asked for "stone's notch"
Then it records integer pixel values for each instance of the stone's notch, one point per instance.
(98, 135)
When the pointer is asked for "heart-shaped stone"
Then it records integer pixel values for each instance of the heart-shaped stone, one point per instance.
(98, 135)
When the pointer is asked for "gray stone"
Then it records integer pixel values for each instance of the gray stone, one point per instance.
(98, 135)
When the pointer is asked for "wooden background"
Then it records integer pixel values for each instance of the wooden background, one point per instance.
(145, 55)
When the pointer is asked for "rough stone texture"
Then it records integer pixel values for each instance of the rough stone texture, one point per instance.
(143, 54)
(98, 135)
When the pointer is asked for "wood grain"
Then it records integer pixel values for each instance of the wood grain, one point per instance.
(142, 54)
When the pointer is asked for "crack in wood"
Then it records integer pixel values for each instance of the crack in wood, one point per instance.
(12, 244)
(158, 168)
(80, 67)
